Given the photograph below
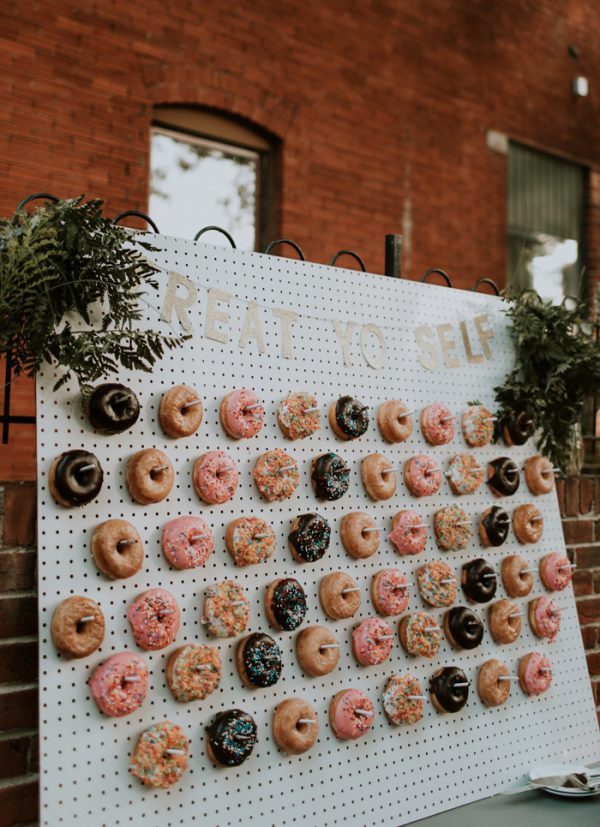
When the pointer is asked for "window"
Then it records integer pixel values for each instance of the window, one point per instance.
(208, 170)
(545, 223)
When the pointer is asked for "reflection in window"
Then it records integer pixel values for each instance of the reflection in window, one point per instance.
(548, 264)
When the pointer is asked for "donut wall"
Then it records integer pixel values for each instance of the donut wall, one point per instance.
(277, 326)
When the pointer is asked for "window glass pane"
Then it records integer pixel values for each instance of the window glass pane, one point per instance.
(548, 264)
(195, 183)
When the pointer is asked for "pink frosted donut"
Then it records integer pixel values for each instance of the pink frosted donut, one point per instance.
(555, 572)
(239, 416)
(533, 677)
(389, 592)
(154, 618)
(437, 424)
(119, 685)
(351, 714)
(215, 477)
(372, 641)
(422, 475)
(408, 534)
(544, 618)
(182, 544)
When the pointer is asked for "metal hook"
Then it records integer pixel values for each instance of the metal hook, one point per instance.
(136, 214)
(354, 255)
(45, 195)
(491, 283)
(285, 241)
(442, 273)
(218, 230)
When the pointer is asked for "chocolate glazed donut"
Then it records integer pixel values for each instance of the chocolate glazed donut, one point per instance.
(310, 540)
(232, 737)
(75, 478)
(463, 628)
(517, 427)
(288, 604)
(476, 584)
(445, 695)
(503, 476)
(330, 476)
(112, 408)
(493, 526)
(261, 658)
(351, 417)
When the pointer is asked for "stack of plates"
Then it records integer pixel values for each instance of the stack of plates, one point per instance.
(548, 771)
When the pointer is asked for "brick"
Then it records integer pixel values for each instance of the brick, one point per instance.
(14, 757)
(17, 571)
(34, 754)
(572, 497)
(578, 531)
(589, 636)
(18, 662)
(588, 611)
(593, 662)
(18, 709)
(19, 804)
(586, 495)
(588, 557)
(582, 583)
(596, 691)
(596, 582)
(18, 616)
(597, 495)
(19, 515)
(560, 496)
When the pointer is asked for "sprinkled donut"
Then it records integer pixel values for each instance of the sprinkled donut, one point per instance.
(120, 684)
(357, 537)
(479, 580)
(112, 408)
(309, 538)
(477, 426)
(464, 474)
(187, 542)
(230, 738)
(117, 549)
(420, 634)
(437, 424)
(503, 476)
(403, 700)
(75, 478)
(379, 477)
(349, 418)
(295, 726)
(339, 595)
(463, 628)
(351, 714)
(393, 423)
(330, 476)
(492, 690)
(242, 414)
(544, 618)
(258, 659)
(437, 584)
(77, 627)
(215, 477)
(504, 621)
(249, 540)
(535, 673)
(161, 755)
(409, 534)
(193, 672)
(154, 619)
(449, 689)
(493, 526)
(180, 412)
(452, 528)
(317, 650)
(539, 475)
(390, 592)
(528, 523)
(422, 476)
(517, 427)
(298, 415)
(372, 641)
(226, 609)
(276, 475)
(555, 571)
(517, 581)
(285, 604)
(149, 476)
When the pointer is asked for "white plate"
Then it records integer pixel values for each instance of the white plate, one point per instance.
(548, 770)
(569, 792)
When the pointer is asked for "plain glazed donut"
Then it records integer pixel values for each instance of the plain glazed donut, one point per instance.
(517, 427)
(330, 476)
(298, 415)
(528, 523)
(464, 474)
(75, 478)
(154, 619)
(372, 641)
(389, 592)
(393, 423)
(420, 634)
(231, 738)
(161, 755)
(516, 580)
(348, 418)
(226, 609)
(402, 700)
(356, 537)
(452, 528)
(309, 538)
(379, 477)
(493, 526)
(258, 659)
(180, 412)
(117, 549)
(422, 476)
(187, 542)
(149, 476)
(463, 628)
(351, 714)
(242, 414)
(317, 650)
(339, 595)
(295, 726)
(493, 691)
(555, 571)
(249, 540)
(276, 475)
(503, 476)
(544, 618)
(479, 580)
(477, 426)
(437, 584)
(504, 621)
(77, 627)
(437, 424)
(446, 696)
(285, 604)
(409, 534)
(120, 684)
(215, 477)
(193, 672)
(539, 475)
(535, 673)
(112, 408)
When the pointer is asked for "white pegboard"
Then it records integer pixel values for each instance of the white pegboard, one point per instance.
(394, 775)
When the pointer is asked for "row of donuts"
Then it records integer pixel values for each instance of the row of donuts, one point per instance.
(113, 408)
(161, 754)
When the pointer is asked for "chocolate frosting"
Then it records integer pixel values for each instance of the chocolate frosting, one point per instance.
(442, 685)
(75, 486)
(232, 736)
(311, 539)
(520, 426)
(289, 604)
(478, 588)
(496, 523)
(503, 476)
(331, 477)
(465, 626)
(262, 660)
(113, 408)
(351, 416)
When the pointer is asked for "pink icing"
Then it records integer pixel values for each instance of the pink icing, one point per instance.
(178, 547)
(439, 432)
(407, 538)
(535, 681)
(114, 695)
(421, 477)
(556, 578)
(368, 646)
(392, 592)
(547, 619)
(215, 477)
(346, 722)
(241, 422)
(154, 618)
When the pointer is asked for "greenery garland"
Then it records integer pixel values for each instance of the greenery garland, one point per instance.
(65, 258)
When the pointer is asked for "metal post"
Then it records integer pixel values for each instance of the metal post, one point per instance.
(393, 255)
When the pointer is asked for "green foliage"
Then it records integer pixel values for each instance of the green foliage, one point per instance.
(67, 259)
(557, 368)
